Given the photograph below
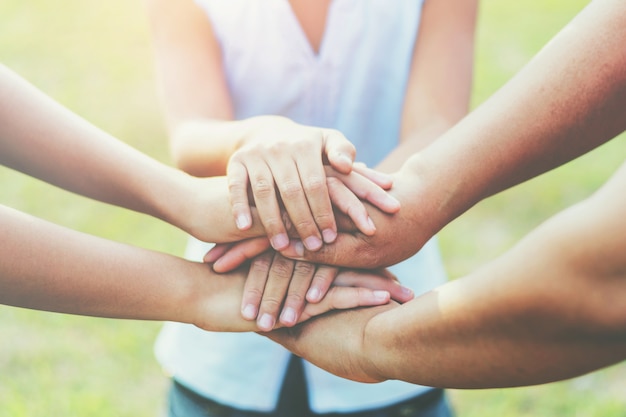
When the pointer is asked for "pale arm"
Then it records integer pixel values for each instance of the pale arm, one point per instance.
(43, 139)
(551, 308)
(44, 266)
(568, 100)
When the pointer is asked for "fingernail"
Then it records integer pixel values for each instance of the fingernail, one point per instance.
(345, 159)
(217, 266)
(299, 248)
(243, 222)
(249, 312)
(280, 241)
(371, 223)
(407, 291)
(313, 243)
(266, 322)
(313, 295)
(329, 235)
(381, 295)
(288, 316)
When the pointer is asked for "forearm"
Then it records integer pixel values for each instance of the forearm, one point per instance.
(550, 308)
(43, 139)
(48, 267)
(530, 317)
(491, 329)
(568, 100)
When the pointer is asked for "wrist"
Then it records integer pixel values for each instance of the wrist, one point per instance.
(440, 192)
(374, 345)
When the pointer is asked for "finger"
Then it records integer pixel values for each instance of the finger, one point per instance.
(341, 298)
(255, 285)
(240, 252)
(339, 151)
(313, 177)
(266, 202)
(216, 252)
(348, 203)
(292, 193)
(278, 279)
(384, 181)
(324, 277)
(368, 191)
(294, 302)
(237, 177)
(375, 281)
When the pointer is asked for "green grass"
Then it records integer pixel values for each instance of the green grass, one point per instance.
(95, 58)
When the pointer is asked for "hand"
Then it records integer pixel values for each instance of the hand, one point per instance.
(202, 210)
(218, 299)
(280, 153)
(229, 256)
(320, 340)
(275, 283)
(398, 236)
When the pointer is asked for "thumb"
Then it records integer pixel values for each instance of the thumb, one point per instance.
(338, 150)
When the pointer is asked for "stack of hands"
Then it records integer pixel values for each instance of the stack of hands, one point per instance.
(304, 205)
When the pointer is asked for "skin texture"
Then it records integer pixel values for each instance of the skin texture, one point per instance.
(48, 267)
(553, 306)
(560, 315)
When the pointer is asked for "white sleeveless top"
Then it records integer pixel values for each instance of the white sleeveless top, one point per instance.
(356, 84)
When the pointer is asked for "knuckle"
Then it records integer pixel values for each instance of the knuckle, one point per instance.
(236, 183)
(290, 189)
(306, 227)
(295, 299)
(262, 187)
(323, 277)
(237, 159)
(272, 225)
(254, 294)
(305, 269)
(324, 218)
(271, 303)
(281, 270)
(277, 147)
(314, 184)
(260, 264)
(353, 208)
(333, 182)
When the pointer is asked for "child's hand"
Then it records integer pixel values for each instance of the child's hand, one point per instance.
(282, 166)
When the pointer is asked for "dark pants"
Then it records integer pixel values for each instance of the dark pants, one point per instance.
(293, 402)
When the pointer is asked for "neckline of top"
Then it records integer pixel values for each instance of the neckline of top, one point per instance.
(302, 36)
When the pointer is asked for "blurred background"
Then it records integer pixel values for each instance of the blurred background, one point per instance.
(95, 58)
